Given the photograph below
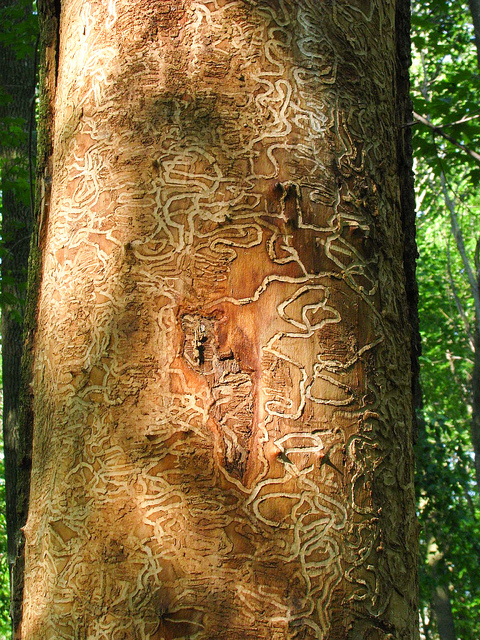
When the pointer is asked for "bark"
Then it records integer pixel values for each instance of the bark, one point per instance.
(459, 305)
(475, 11)
(441, 605)
(17, 78)
(221, 372)
(476, 374)
(407, 195)
(476, 401)
(443, 614)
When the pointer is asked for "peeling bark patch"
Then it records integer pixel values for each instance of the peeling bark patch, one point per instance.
(232, 390)
(233, 410)
(198, 346)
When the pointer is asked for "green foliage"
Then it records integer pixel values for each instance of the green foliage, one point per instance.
(446, 90)
(21, 35)
(12, 132)
(446, 82)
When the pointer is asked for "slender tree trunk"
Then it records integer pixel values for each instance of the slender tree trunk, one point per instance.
(476, 374)
(221, 390)
(441, 605)
(473, 274)
(475, 11)
(443, 614)
(476, 402)
(17, 79)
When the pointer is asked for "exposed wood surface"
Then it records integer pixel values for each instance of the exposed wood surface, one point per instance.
(222, 362)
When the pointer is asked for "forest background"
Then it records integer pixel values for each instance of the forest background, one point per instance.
(445, 82)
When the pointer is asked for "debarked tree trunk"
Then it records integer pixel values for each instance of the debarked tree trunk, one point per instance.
(221, 374)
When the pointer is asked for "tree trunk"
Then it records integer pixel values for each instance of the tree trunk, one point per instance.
(441, 605)
(221, 378)
(476, 401)
(473, 275)
(17, 79)
(475, 11)
(443, 614)
(476, 373)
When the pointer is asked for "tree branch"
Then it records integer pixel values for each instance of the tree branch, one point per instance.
(475, 11)
(461, 121)
(441, 132)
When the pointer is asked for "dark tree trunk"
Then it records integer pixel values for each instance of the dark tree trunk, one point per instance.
(475, 425)
(18, 81)
(443, 614)
(441, 604)
(475, 11)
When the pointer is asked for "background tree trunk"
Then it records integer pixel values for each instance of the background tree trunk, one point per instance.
(443, 613)
(17, 79)
(476, 373)
(441, 605)
(475, 11)
(221, 362)
(476, 402)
